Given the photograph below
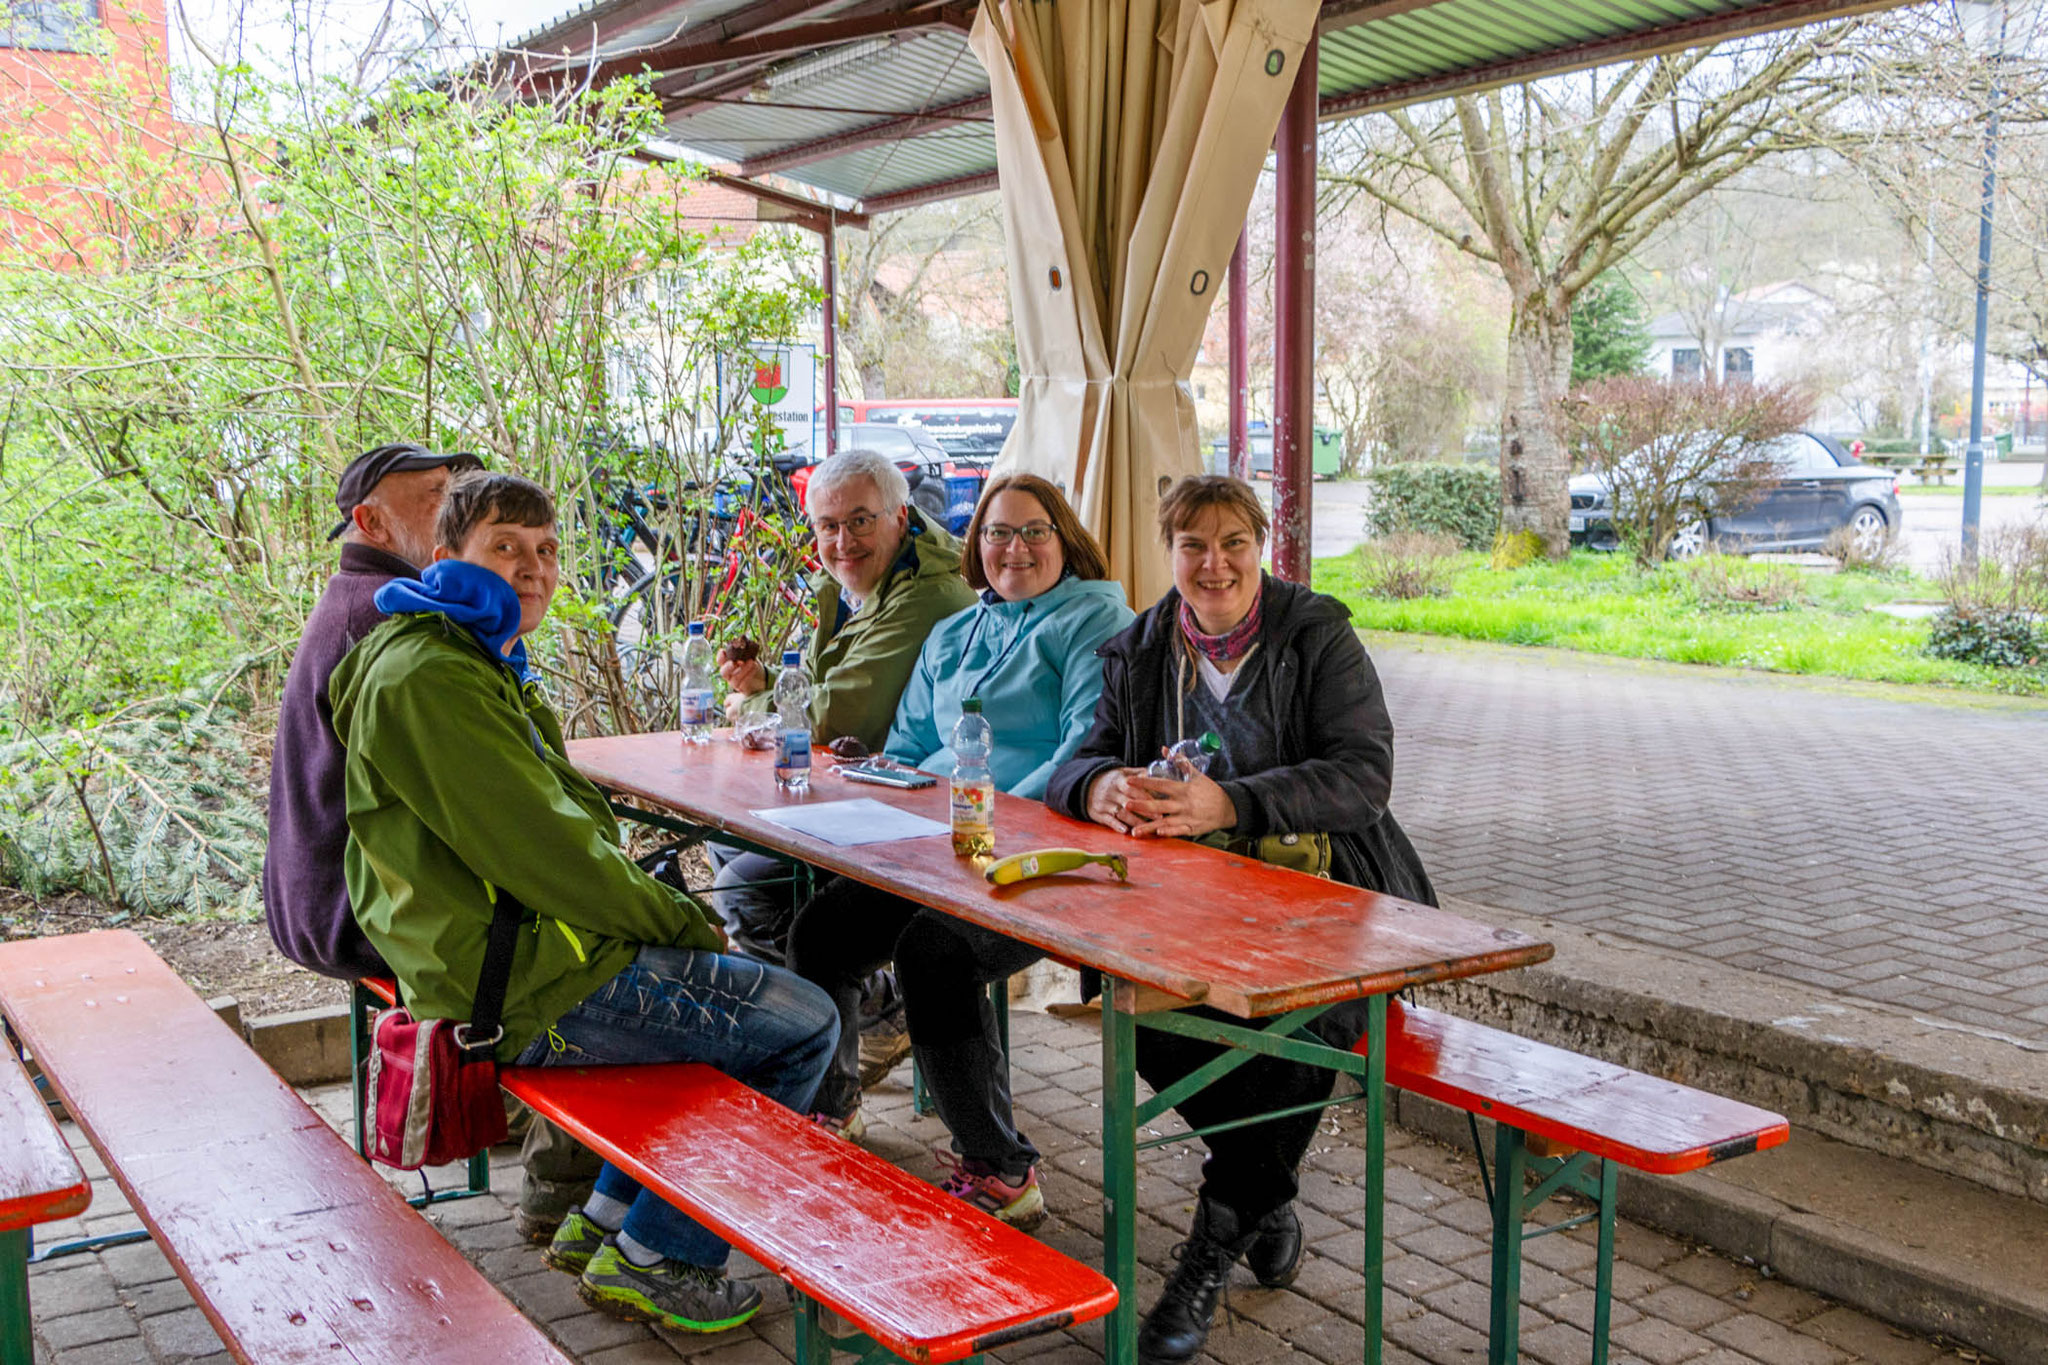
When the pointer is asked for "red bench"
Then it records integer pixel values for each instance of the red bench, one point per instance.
(40, 1182)
(1587, 1118)
(915, 1271)
(294, 1248)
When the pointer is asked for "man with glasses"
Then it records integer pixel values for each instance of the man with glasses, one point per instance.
(889, 576)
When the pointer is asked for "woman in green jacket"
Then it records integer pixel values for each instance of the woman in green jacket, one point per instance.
(458, 790)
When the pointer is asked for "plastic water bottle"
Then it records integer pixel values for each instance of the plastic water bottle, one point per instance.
(1197, 752)
(698, 671)
(973, 788)
(793, 745)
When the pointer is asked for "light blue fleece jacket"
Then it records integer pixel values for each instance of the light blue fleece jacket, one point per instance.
(1033, 665)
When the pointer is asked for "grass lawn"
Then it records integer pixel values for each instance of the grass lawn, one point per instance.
(1603, 605)
(1990, 490)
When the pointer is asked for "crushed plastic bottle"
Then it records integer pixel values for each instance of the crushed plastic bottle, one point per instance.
(1197, 752)
(793, 744)
(972, 787)
(696, 711)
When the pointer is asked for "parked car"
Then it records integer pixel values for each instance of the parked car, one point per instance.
(1819, 490)
(943, 487)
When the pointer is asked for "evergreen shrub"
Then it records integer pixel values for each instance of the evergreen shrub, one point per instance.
(1459, 501)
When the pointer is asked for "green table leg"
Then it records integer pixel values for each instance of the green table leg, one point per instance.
(1510, 1166)
(1375, 1084)
(1120, 1168)
(1603, 1282)
(16, 1347)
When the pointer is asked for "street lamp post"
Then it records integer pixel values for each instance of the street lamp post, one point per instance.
(1983, 23)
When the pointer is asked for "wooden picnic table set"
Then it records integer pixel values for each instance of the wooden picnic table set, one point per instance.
(297, 1250)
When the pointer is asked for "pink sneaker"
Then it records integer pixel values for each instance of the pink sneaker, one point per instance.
(1020, 1204)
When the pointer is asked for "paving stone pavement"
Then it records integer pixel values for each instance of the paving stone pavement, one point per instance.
(1675, 1304)
(1886, 846)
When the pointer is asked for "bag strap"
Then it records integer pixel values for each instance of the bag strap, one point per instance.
(485, 1028)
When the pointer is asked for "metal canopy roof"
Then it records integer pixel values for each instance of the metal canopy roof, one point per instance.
(880, 105)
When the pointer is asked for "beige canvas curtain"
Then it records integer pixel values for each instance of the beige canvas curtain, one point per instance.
(1129, 139)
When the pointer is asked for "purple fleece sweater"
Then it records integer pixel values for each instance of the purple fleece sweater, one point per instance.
(305, 897)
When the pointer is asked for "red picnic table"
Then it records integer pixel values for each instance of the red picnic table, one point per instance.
(1194, 925)
(40, 1182)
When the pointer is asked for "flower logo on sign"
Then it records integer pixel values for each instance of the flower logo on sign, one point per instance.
(768, 387)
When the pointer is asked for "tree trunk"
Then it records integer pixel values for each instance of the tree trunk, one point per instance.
(1534, 465)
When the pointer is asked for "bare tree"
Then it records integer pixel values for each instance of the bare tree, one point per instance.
(1554, 182)
(923, 309)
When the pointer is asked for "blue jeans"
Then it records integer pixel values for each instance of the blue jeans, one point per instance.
(758, 1024)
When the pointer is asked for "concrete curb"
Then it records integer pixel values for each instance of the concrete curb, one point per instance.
(1913, 1188)
(306, 1047)
(1956, 1100)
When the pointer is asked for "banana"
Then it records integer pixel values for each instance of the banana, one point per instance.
(1044, 862)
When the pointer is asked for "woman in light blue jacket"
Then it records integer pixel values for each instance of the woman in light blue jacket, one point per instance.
(1027, 650)
(1031, 660)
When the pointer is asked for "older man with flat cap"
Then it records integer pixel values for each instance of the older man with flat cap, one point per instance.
(388, 499)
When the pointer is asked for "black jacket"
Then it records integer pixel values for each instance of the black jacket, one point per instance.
(305, 896)
(1336, 739)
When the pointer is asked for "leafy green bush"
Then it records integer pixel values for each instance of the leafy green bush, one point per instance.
(1460, 501)
(2002, 637)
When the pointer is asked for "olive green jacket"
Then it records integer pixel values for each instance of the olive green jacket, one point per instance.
(449, 800)
(859, 669)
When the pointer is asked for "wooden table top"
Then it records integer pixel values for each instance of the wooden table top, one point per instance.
(40, 1180)
(1194, 922)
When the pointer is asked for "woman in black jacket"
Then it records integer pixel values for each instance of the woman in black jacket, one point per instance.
(1275, 671)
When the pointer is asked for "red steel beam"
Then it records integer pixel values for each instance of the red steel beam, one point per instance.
(1240, 358)
(893, 129)
(752, 44)
(929, 194)
(1294, 323)
(808, 213)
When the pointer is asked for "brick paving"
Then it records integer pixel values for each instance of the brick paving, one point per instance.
(1675, 1304)
(1886, 847)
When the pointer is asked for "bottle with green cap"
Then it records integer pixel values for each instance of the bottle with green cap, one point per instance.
(1197, 752)
(973, 787)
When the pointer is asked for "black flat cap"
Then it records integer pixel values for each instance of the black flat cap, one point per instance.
(368, 469)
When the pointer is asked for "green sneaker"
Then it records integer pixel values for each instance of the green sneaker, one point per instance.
(694, 1298)
(575, 1242)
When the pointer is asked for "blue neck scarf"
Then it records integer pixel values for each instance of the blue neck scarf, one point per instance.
(468, 596)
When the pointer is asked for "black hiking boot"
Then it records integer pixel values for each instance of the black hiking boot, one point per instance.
(1179, 1323)
(1274, 1257)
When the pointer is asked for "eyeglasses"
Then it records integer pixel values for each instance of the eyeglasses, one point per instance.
(858, 526)
(1037, 533)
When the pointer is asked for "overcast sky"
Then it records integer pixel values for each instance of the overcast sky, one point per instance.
(329, 35)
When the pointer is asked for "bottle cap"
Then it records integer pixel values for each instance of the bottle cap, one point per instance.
(971, 706)
(696, 627)
(791, 657)
(1210, 743)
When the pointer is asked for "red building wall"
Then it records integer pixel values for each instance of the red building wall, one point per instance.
(112, 96)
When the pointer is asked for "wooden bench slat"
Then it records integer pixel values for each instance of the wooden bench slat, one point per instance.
(923, 1273)
(40, 1180)
(1641, 1121)
(295, 1249)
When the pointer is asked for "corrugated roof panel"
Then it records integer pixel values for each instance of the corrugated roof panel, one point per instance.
(885, 169)
(1426, 52)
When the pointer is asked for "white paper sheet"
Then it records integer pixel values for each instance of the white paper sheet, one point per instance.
(861, 820)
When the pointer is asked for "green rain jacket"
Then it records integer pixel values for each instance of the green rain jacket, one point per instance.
(859, 667)
(448, 800)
